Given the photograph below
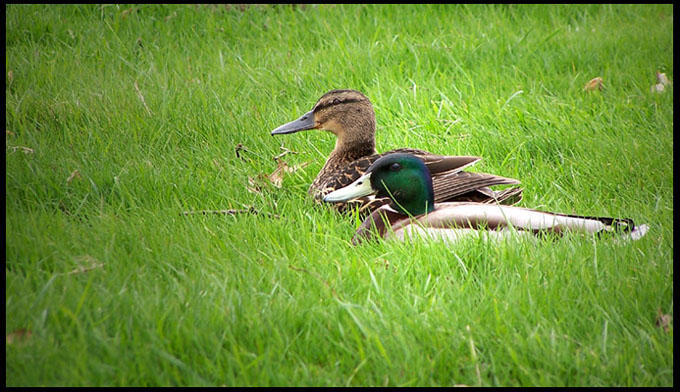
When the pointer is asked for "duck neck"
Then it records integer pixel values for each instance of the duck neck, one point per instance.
(411, 191)
(415, 203)
(351, 150)
(351, 144)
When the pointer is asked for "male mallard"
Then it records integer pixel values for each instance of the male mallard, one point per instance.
(349, 115)
(406, 181)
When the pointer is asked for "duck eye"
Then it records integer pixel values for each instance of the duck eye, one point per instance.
(336, 101)
(395, 167)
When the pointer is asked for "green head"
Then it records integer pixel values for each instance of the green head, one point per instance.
(403, 178)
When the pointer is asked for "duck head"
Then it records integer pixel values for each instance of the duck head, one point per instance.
(346, 113)
(403, 178)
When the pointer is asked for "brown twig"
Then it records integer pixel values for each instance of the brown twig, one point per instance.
(238, 148)
(25, 150)
(73, 175)
(81, 269)
(285, 151)
(141, 97)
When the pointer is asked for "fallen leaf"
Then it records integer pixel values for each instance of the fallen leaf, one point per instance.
(91, 261)
(663, 320)
(276, 177)
(386, 263)
(9, 133)
(658, 88)
(255, 184)
(297, 167)
(25, 150)
(662, 81)
(20, 335)
(10, 76)
(127, 12)
(73, 176)
(594, 84)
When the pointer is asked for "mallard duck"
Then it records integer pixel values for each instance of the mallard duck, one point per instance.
(412, 209)
(349, 115)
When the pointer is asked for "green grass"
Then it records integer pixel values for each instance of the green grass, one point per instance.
(259, 300)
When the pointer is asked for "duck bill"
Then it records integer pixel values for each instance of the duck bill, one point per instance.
(359, 188)
(301, 124)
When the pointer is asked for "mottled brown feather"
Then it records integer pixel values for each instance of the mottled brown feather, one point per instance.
(350, 116)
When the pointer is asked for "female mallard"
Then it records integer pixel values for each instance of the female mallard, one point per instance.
(349, 115)
(412, 209)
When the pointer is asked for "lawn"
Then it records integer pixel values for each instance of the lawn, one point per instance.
(123, 120)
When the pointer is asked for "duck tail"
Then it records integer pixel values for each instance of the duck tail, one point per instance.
(626, 227)
(639, 232)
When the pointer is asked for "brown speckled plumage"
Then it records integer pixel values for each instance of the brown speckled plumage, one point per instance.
(350, 116)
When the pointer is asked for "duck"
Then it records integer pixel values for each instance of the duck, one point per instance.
(413, 211)
(349, 115)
